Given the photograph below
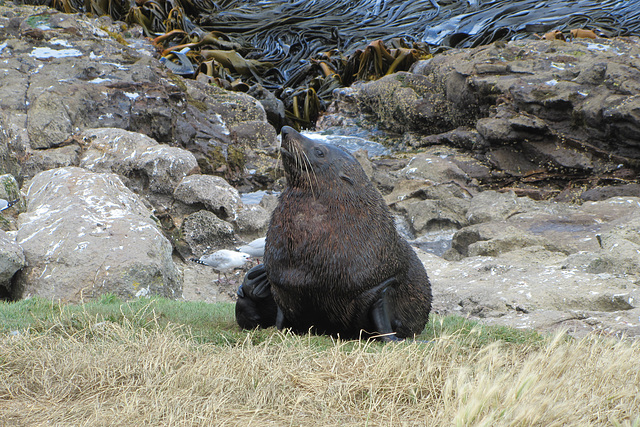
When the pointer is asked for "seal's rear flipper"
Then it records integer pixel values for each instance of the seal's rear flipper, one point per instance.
(281, 323)
(255, 306)
(381, 313)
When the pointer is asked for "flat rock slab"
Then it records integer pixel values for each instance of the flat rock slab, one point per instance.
(534, 288)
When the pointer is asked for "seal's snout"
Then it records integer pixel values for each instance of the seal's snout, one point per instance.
(288, 133)
(287, 130)
(288, 136)
(285, 139)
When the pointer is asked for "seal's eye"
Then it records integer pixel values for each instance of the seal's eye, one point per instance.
(319, 152)
(347, 179)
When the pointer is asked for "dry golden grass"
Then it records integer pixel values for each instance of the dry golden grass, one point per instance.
(120, 374)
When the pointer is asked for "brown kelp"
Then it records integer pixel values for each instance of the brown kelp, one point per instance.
(303, 49)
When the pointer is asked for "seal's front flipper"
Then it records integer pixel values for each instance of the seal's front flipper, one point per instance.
(255, 306)
(381, 313)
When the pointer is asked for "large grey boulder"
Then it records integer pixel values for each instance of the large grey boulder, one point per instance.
(85, 234)
(406, 101)
(578, 91)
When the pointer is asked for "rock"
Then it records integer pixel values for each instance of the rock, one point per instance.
(273, 107)
(548, 266)
(493, 239)
(430, 207)
(204, 232)
(9, 188)
(253, 134)
(508, 127)
(165, 167)
(144, 164)
(419, 189)
(232, 108)
(240, 124)
(462, 137)
(557, 227)
(493, 206)
(85, 234)
(210, 192)
(624, 215)
(10, 191)
(433, 168)
(607, 192)
(12, 135)
(269, 202)
(11, 260)
(555, 157)
(620, 258)
(253, 220)
(511, 161)
(435, 215)
(404, 101)
(52, 158)
(48, 124)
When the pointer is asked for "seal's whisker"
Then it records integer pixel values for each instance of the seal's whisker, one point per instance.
(279, 163)
(304, 167)
(310, 170)
(296, 156)
(313, 171)
(295, 150)
(299, 162)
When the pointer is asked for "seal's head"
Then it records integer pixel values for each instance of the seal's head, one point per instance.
(307, 162)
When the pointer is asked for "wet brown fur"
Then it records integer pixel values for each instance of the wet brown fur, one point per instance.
(332, 240)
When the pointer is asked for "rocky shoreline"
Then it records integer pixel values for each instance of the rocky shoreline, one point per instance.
(515, 165)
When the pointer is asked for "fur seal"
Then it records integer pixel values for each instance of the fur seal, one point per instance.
(334, 261)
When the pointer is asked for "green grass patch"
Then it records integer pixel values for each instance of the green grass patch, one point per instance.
(477, 335)
(212, 323)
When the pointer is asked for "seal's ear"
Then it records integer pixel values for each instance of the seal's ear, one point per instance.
(346, 178)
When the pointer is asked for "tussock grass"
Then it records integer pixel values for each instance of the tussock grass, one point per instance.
(140, 370)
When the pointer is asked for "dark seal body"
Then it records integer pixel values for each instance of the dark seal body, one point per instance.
(333, 257)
